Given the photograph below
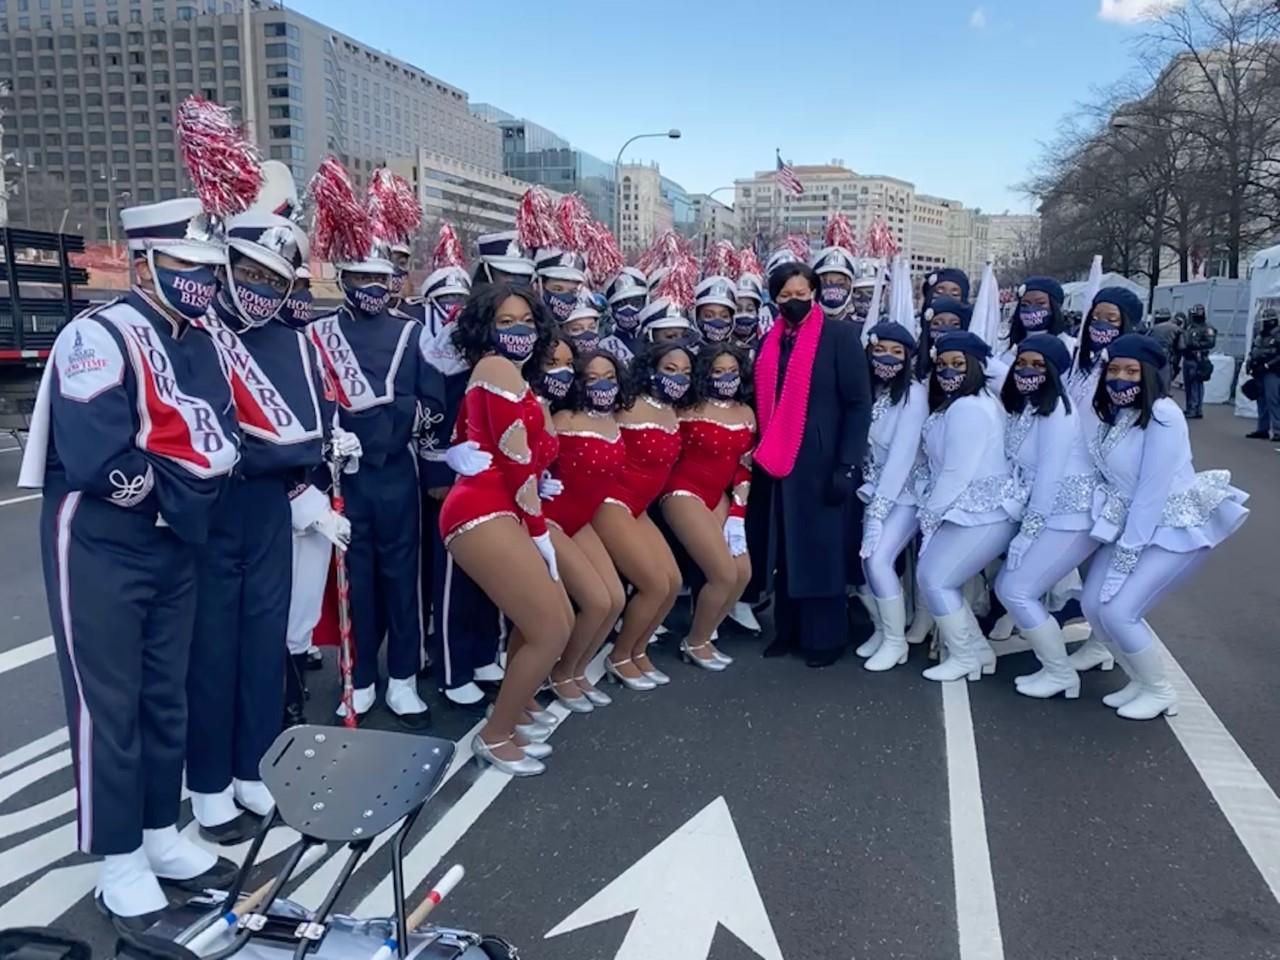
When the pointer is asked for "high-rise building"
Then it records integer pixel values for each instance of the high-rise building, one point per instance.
(684, 217)
(713, 219)
(929, 245)
(96, 82)
(645, 211)
(968, 243)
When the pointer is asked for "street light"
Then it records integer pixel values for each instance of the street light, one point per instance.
(672, 134)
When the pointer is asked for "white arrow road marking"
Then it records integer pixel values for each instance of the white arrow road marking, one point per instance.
(680, 891)
(27, 653)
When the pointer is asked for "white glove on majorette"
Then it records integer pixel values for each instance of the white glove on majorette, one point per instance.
(543, 543)
(335, 528)
(735, 535)
(467, 459)
(549, 487)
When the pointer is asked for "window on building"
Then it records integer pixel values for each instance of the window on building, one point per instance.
(204, 34)
(182, 56)
(121, 156)
(208, 55)
(208, 75)
(184, 75)
(230, 53)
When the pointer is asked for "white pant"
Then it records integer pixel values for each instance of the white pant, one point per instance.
(955, 554)
(1119, 620)
(897, 530)
(1053, 555)
(311, 554)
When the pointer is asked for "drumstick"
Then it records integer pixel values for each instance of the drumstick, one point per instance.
(429, 903)
(248, 904)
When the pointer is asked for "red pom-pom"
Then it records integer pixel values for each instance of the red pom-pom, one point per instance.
(666, 248)
(722, 261)
(840, 234)
(448, 251)
(343, 228)
(604, 259)
(880, 240)
(573, 223)
(678, 285)
(224, 166)
(395, 210)
(535, 220)
(798, 244)
(748, 262)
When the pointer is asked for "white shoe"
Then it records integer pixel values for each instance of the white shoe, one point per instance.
(1058, 676)
(173, 857)
(402, 697)
(893, 649)
(214, 809)
(869, 646)
(254, 796)
(464, 695)
(986, 652)
(489, 673)
(1003, 629)
(362, 698)
(658, 632)
(1157, 696)
(1126, 693)
(921, 625)
(963, 658)
(128, 886)
(745, 617)
(1093, 653)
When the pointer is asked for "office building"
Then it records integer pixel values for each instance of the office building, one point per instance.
(1013, 241)
(968, 242)
(645, 212)
(566, 170)
(713, 219)
(683, 215)
(929, 244)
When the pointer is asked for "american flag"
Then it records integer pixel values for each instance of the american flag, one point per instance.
(786, 177)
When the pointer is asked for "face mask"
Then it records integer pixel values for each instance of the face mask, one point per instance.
(744, 325)
(886, 367)
(186, 292)
(794, 311)
(444, 312)
(1028, 379)
(258, 302)
(556, 382)
(626, 317)
(396, 283)
(1034, 318)
(296, 311)
(834, 297)
(949, 379)
(516, 342)
(369, 300)
(716, 330)
(602, 394)
(671, 386)
(726, 384)
(560, 304)
(584, 341)
(1100, 334)
(1123, 393)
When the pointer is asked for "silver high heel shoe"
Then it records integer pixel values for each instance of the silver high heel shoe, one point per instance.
(578, 704)
(544, 717)
(723, 657)
(687, 654)
(538, 751)
(524, 767)
(534, 732)
(656, 675)
(598, 697)
(631, 683)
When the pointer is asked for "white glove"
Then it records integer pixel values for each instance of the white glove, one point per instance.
(467, 459)
(1017, 550)
(871, 532)
(735, 535)
(346, 448)
(308, 507)
(549, 487)
(335, 528)
(543, 543)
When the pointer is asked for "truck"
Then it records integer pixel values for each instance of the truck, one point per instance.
(1226, 307)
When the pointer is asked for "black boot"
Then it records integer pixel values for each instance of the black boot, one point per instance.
(295, 690)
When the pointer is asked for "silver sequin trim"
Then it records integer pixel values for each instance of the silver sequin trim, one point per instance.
(1016, 430)
(650, 426)
(472, 524)
(1075, 494)
(1195, 505)
(1033, 525)
(870, 469)
(496, 390)
(985, 495)
(514, 442)
(883, 402)
(1124, 560)
(929, 521)
(880, 507)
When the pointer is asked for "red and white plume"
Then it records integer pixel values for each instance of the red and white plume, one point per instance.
(722, 261)
(225, 167)
(840, 234)
(798, 244)
(880, 240)
(748, 262)
(536, 220)
(343, 229)
(448, 251)
(395, 210)
(681, 279)
(667, 247)
(604, 259)
(573, 223)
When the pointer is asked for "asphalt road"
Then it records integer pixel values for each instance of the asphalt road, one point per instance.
(869, 829)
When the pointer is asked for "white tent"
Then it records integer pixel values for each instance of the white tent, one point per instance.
(1075, 291)
(1264, 290)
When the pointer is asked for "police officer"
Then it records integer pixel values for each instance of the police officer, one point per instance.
(1169, 335)
(1198, 341)
(1264, 366)
(133, 439)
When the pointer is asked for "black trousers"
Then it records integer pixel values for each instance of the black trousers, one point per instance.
(813, 624)
(122, 595)
(467, 623)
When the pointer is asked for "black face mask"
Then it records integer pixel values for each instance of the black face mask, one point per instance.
(793, 311)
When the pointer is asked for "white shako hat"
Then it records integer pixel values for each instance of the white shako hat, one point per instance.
(502, 251)
(663, 314)
(749, 285)
(630, 282)
(834, 260)
(778, 258)
(302, 263)
(715, 290)
(177, 228)
(584, 309)
(445, 281)
(556, 264)
(377, 260)
(267, 239)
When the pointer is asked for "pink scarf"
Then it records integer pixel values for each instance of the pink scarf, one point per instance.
(782, 429)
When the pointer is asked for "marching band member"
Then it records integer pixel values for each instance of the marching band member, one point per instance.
(1155, 516)
(892, 466)
(397, 215)
(590, 459)
(1054, 473)
(749, 303)
(502, 259)
(949, 283)
(582, 330)
(661, 378)
(628, 294)
(664, 322)
(493, 524)
(236, 681)
(835, 269)
(715, 300)
(412, 308)
(447, 285)
(133, 439)
(963, 516)
(705, 500)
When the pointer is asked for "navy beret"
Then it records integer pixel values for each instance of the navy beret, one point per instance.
(1045, 285)
(965, 342)
(1125, 300)
(1138, 346)
(894, 332)
(947, 305)
(952, 274)
(1050, 347)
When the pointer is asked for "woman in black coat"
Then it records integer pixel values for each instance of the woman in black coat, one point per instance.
(813, 404)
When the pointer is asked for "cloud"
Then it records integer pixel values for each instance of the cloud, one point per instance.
(978, 19)
(1132, 11)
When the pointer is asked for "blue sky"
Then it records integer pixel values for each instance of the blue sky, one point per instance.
(953, 95)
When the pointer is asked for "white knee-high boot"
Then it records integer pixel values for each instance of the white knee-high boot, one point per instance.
(1058, 676)
(872, 643)
(921, 625)
(892, 651)
(1129, 691)
(964, 658)
(1093, 653)
(986, 652)
(1157, 696)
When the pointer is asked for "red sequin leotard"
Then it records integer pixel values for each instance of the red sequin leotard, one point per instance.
(652, 449)
(589, 466)
(511, 427)
(715, 459)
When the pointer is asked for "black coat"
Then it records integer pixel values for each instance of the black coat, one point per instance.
(835, 437)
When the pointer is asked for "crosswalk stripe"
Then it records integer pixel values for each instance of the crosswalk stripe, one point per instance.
(27, 653)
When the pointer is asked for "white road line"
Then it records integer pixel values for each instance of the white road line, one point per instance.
(27, 653)
(35, 748)
(977, 915)
(4, 450)
(1244, 796)
(12, 500)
